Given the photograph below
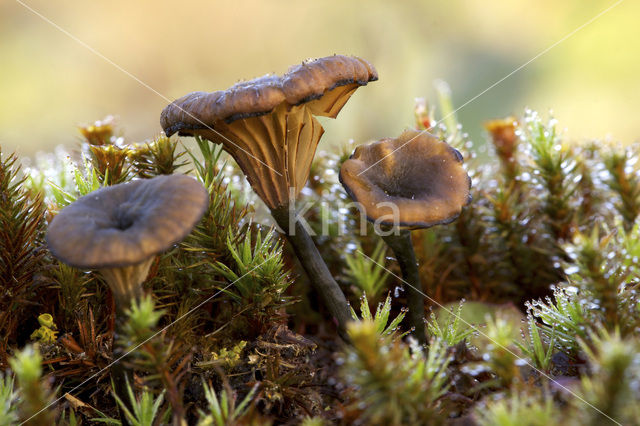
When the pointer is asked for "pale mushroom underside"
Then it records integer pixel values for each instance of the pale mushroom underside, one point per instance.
(268, 124)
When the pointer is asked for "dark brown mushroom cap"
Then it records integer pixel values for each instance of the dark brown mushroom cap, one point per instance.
(301, 84)
(420, 174)
(268, 125)
(125, 224)
(313, 78)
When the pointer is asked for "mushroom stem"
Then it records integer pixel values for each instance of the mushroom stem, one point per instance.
(120, 377)
(402, 247)
(316, 269)
(120, 374)
(126, 286)
(126, 282)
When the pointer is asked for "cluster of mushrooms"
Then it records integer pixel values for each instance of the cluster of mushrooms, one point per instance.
(269, 126)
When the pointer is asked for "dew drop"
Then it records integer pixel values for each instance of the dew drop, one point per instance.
(396, 291)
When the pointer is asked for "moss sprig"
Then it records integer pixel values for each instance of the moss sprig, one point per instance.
(624, 180)
(35, 394)
(22, 257)
(158, 157)
(394, 383)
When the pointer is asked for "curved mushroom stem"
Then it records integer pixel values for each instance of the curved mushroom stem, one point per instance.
(120, 376)
(316, 269)
(126, 282)
(126, 286)
(406, 257)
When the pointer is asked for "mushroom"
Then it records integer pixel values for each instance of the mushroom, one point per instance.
(48, 331)
(268, 126)
(119, 230)
(414, 181)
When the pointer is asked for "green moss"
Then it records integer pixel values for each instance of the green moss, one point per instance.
(552, 234)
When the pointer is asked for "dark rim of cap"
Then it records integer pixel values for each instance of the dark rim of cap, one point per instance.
(302, 83)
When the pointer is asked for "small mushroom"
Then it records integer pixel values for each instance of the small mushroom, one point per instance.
(48, 331)
(411, 182)
(268, 126)
(119, 230)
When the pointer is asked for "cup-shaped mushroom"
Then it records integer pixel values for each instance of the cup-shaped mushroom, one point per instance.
(413, 181)
(118, 230)
(267, 124)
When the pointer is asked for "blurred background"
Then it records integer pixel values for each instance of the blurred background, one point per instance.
(51, 83)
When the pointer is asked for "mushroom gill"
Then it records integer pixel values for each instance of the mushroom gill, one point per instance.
(268, 124)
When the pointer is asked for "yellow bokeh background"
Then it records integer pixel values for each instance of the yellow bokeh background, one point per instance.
(71, 65)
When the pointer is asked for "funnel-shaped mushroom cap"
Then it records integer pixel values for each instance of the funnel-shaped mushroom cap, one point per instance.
(126, 224)
(421, 176)
(268, 124)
